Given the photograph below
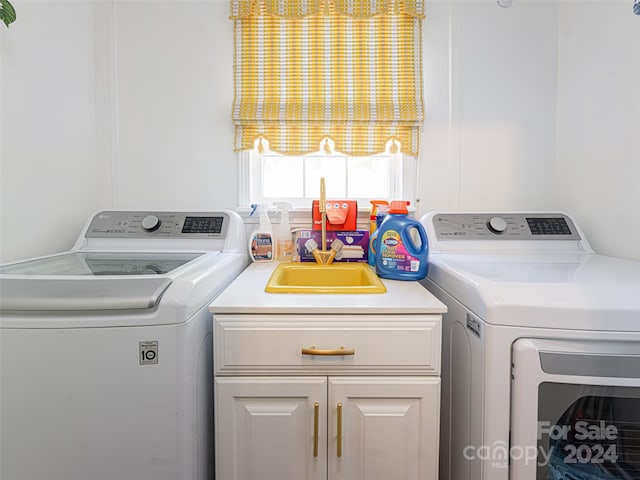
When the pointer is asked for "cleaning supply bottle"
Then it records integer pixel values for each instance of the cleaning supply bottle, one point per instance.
(261, 246)
(283, 233)
(373, 226)
(380, 216)
(398, 255)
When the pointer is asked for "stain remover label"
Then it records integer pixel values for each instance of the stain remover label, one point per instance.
(394, 254)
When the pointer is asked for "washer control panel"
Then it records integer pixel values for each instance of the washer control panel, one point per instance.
(123, 224)
(520, 226)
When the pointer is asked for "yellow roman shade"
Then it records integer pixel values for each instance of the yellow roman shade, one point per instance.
(310, 70)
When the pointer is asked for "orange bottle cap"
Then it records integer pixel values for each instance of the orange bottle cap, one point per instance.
(399, 206)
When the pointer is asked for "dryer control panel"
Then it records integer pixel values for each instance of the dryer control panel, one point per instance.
(503, 226)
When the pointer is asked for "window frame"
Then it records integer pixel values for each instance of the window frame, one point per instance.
(403, 180)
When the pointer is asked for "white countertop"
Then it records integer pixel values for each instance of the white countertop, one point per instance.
(246, 295)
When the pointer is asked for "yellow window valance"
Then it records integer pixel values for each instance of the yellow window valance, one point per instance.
(303, 8)
(305, 71)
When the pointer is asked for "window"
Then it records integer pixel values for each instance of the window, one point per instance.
(333, 88)
(271, 177)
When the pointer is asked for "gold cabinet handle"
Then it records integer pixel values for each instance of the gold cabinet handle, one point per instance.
(316, 415)
(339, 442)
(312, 350)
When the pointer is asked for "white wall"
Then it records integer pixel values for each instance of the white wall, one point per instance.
(145, 88)
(599, 123)
(490, 86)
(47, 154)
(112, 105)
(174, 74)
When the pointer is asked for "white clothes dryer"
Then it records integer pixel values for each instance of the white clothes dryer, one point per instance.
(541, 349)
(106, 350)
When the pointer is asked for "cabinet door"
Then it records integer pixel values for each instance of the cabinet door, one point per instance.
(266, 428)
(389, 428)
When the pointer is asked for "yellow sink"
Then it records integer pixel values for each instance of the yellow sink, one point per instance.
(334, 278)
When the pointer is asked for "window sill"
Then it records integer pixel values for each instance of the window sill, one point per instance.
(300, 217)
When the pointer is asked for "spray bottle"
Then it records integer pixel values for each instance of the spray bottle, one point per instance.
(261, 244)
(283, 233)
(378, 211)
(373, 226)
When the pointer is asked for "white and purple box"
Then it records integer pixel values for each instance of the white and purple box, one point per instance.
(355, 244)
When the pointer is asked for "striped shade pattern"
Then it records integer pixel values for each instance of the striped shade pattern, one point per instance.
(309, 70)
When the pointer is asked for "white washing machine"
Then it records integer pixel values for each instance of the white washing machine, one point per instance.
(541, 349)
(106, 350)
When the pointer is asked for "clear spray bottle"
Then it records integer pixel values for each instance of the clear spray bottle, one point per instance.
(261, 245)
(284, 248)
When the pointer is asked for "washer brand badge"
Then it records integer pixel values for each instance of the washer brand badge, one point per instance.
(473, 324)
(149, 352)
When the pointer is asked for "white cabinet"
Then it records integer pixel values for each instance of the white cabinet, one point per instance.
(303, 428)
(370, 414)
(266, 428)
(388, 428)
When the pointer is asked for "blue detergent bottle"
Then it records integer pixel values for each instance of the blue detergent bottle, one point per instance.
(399, 256)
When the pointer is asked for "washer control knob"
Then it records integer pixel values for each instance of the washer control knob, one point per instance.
(151, 223)
(497, 225)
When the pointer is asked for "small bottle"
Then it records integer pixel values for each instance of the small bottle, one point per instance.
(283, 233)
(380, 216)
(377, 206)
(261, 246)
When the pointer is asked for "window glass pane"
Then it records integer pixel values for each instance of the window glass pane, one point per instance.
(282, 176)
(273, 177)
(332, 169)
(368, 177)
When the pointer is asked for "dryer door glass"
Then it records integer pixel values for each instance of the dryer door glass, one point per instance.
(588, 432)
(575, 409)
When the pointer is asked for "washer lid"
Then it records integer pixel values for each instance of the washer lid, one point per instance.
(586, 291)
(100, 263)
(64, 294)
(89, 281)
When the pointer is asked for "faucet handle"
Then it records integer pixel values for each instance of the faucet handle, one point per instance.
(311, 245)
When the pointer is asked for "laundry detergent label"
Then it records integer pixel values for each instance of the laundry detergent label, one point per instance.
(394, 255)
